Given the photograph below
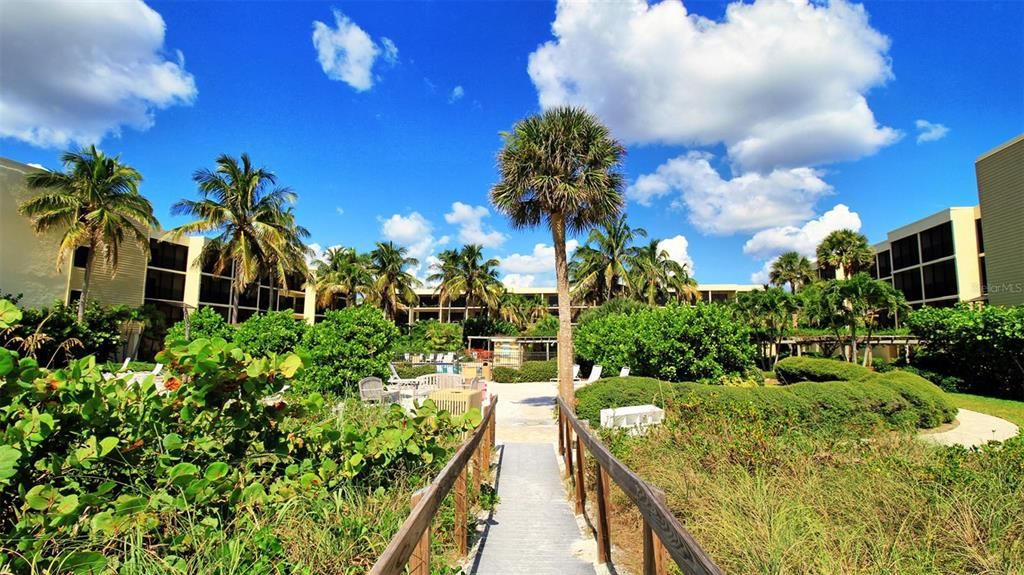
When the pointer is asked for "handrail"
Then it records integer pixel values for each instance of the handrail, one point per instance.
(414, 537)
(659, 521)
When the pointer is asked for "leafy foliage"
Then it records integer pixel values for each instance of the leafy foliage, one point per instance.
(484, 326)
(431, 336)
(530, 371)
(674, 343)
(273, 332)
(346, 346)
(797, 369)
(203, 323)
(612, 306)
(546, 326)
(983, 346)
(45, 331)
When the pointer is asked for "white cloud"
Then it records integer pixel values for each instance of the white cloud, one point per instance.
(780, 83)
(317, 252)
(471, 228)
(677, 250)
(540, 261)
(744, 203)
(803, 239)
(347, 53)
(763, 275)
(340, 210)
(929, 132)
(76, 73)
(37, 166)
(457, 93)
(519, 280)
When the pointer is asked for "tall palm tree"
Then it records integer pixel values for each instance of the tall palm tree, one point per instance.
(287, 266)
(393, 287)
(345, 272)
(846, 250)
(477, 278)
(254, 231)
(793, 269)
(96, 202)
(655, 275)
(445, 275)
(603, 260)
(560, 168)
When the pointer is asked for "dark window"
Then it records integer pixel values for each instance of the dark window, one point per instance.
(265, 303)
(826, 273)
(904, 253)
(937, 242)
(296, 304)
(211, 264)
(222, 311)
(244, 314)
(168, 255)
(172, 313)
(981, 237)
(874, 268)
(943, 303)
(214, 290)
(74, 296)
(940, 279)
(884, 264)
(248, 297)
(81, 258)
(165, 285)
(908, 282)
(718, 296)
(984, 275)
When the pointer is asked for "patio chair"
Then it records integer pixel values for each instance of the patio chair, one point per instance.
(449, 381)
(575, 373)
(624, 372)
(595, 374)
(425, 384)
(371, 390)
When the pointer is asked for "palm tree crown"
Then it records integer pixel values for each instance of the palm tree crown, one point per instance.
(846, 250)
(393, 286)
(342, 272)
(599, 267)
(657, 277)
(793, 269)
(96, 202)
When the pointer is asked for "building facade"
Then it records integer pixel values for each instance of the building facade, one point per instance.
(1000, 174)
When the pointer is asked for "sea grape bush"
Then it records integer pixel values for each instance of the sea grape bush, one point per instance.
(272, 332)
(86, 460)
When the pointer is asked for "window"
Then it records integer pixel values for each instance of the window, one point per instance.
(214, 290)
(168, 255)
(981, 237)
(248, 297)
(940, 279)
(81, 258)
(937, 242)
(884, 264)
(908, 282)
(874, 268)
(904, 253)
(984, 275)
(74, 296)
(165, 285)
(265, 303)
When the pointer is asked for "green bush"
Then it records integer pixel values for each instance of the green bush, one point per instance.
(982, 346)
(410, 371)
(530, 371)
(346, 346)
(484, 326)
(797, 369)
(431, 336)
(614, 306)
(676, 343)
(203, 323)
(546, 326)
(273, 332)
(62, 338)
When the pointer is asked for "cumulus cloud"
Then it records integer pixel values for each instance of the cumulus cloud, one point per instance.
(929, 132)
(316, 252)
(347, 53)
(677, 250)
(519, 280)
(763, 275)
(471, 228)
(73, 73)
(457, 93)
(781, 84)
(541, 260)
(412, 231)
(744, 203)
(803, 239)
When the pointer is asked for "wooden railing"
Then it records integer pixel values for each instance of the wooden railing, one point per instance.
(663, 534)
(411, 545)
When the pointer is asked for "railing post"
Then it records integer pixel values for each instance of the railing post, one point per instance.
(461, 534)
(655, 561)
(419, 562)
(581, 490)
(568, 448)
(561, 431)
(604, 542)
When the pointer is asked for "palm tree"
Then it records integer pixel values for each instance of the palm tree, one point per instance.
(96, 202)
(289, 261)
(655, 275)
(446, 276)
(478, 278)
(768, 312)
(603, 260)
(793, 269)
(560, 168)
(880, 298)
(393, 287)
(846, 250)
(254, 232)
(344, 272)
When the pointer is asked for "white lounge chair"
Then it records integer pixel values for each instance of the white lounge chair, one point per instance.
(624, 372)
(575, 373)
(595, 374)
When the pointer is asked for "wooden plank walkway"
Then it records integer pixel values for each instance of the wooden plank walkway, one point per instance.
(533, 529)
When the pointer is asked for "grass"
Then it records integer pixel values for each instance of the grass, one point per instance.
(1012, 411)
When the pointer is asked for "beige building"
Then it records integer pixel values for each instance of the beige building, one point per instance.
(1000, 175)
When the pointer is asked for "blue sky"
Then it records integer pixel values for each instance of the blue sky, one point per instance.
(751, 128)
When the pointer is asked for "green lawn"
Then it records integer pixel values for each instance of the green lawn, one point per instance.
(1005, 408)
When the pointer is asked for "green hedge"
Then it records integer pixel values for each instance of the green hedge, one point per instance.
(530, 371)
(897, 400)
(273, 332)
(346, 346)
(797, 369)
(410, 371)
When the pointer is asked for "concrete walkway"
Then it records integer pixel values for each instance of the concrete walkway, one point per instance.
(974, 429)
(534, 529)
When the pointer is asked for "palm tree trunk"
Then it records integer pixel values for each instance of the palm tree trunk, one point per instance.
(565, 383)
(86, 278)
(235, 292)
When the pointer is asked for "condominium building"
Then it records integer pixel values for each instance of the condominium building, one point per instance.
(1000, 174)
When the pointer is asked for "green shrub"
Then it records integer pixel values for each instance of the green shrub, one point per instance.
(66, 339)
(346, 346)
(933, 406)
(484, 326)
(203, 323)
(431, 336)
(410, 371)
(619, 305)
(674, 343)
(797, 369)
(546, 326)
(530, 371)
(945, 382)
(273, 332)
